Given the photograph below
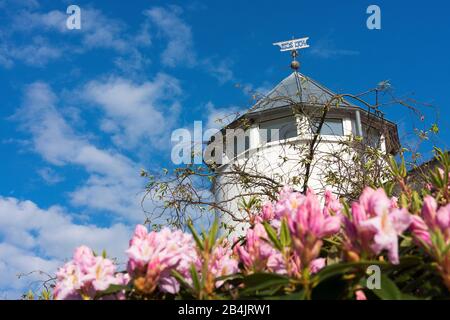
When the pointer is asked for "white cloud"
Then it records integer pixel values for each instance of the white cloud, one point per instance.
(326, 48)
(221, 69)
(136, 114)
(19, 3)
(38, 53)
(217, 117)
(31, 20)
(113, 184)
(97, 31)
(132, 63)
(50, 176)
(35, 239)
(12, 260)
(179, 47)
(5, 60)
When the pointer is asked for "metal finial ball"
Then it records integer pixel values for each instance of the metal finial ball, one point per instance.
(295, 65)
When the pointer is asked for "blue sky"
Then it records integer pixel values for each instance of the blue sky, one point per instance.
(82, 111)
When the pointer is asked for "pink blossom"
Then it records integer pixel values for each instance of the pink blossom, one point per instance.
(267, 212)
(360, 295)
(308, 219)
(374, 202)
(387, 227)
(287, 203)
(435, 223)
(256, 251)
(374, 225)
(443, 220)
(429, 211)
(317, 264)
(68, 282)
(101, 274)
(420, 230)
(84, 258)
(153, 255)
(433, 220)
(436, 219)
(308, 225)
(222, 262)
(332, 204)
(394, 202)
(293, 266)
(85, 275)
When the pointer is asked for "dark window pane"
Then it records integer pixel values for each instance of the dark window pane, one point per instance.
(246, 144)
(371, 137)
(331, 127)
(286, 127)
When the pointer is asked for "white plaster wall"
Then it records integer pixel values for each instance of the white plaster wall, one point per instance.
(266, 158)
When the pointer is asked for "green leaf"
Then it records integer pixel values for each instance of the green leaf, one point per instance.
(390, 291)
(285, 236)
(213, 234)
(342, 268)
(195, 279)
(300, 295)
(273, 236)
(197, 239)
(230, 277)
(180, 279)
(261, 281)
(112, 289)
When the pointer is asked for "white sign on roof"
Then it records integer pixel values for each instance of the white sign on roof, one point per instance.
(292, 44)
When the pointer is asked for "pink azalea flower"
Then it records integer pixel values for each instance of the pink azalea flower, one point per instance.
(332, 204)
(308, 225)
(256, 252)
(375, 225)
(277, 264)
(317, 264)
(420, 230)
(84, 276)
(435, 219)
(308, 222)
(267, 212)
(429, 211)
(101, 274)
(443, 220)
(360, 295)
(288, 203)
(387, 227)
(222, 262)
(374, 202)
(435, 222)
(84, 258)
(68, 282)
(155, 254)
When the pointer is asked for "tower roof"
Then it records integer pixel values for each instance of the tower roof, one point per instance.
(311, 94)
(286, 93)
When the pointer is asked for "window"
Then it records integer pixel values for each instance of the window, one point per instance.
(371, 137)
(330, 127)
(237, 150)
(278, 129)
(236, 142)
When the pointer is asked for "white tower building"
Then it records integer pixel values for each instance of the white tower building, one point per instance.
(276, 134)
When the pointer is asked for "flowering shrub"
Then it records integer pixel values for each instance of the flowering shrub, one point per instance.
(86, 275)
(152, 257)
(296, 248)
